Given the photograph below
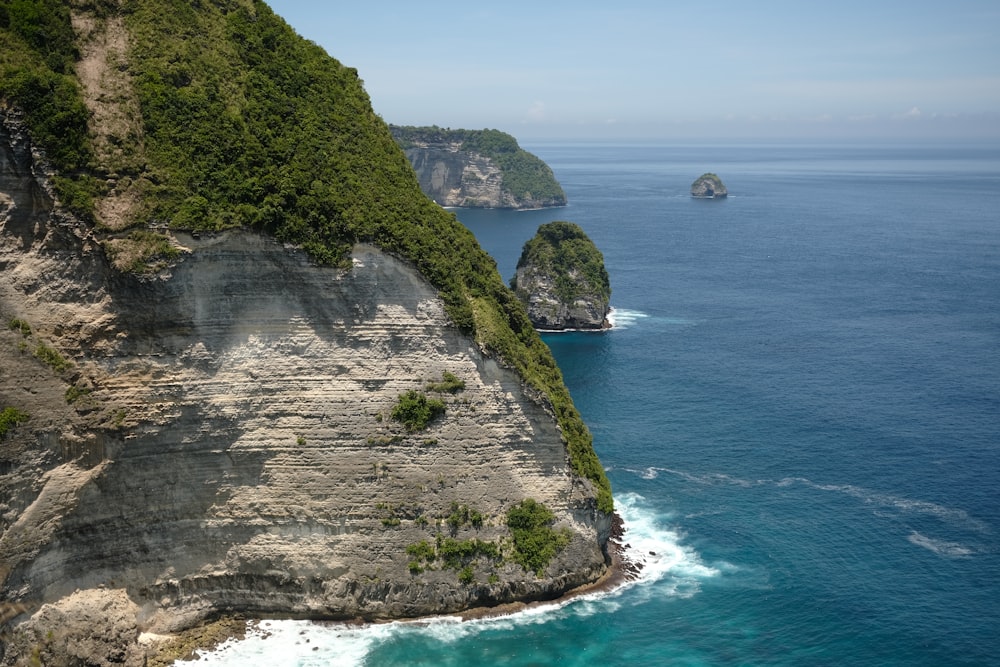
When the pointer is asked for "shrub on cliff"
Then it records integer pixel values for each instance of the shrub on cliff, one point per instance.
(415, 411)
(11, 417)
(536, 542)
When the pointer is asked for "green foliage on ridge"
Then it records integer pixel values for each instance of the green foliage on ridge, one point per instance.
(246, 124)
(37, 56)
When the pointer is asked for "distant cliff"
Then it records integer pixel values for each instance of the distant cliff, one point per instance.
(478, 169)
(562, 281)
(246, 367)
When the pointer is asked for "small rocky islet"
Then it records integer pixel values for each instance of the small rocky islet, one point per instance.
(708, 186)
(562, 281)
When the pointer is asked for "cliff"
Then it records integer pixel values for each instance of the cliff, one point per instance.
(209, 347)
(562, 281)
(478, 169)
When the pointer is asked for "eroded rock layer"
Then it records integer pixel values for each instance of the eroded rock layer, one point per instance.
(220, 436)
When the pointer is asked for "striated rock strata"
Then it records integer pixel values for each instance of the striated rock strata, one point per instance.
(219, 437)
(452, 177)
(562, 281)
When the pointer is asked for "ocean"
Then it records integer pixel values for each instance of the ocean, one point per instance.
(798, 408)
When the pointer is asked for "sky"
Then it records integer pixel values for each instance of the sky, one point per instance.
(631, 69)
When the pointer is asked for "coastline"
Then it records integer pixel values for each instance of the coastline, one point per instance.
(620, 572)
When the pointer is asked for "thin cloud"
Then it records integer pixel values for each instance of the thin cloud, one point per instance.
(536, 112)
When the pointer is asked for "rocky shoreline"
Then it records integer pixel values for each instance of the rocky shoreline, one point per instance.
(621, 571)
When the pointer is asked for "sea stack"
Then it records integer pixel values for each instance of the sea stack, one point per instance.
(562, 281)
(708, 186)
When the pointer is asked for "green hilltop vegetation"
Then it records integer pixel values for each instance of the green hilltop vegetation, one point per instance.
(523, 172)
(246, 124)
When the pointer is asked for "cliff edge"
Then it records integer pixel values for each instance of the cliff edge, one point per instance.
(211, 346)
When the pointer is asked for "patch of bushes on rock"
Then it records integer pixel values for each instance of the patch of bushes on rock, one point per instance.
(51, 357)
(141, 252)
(75, 393)
(460, 555)
(415, 411)
(19, 325)
(536, 542)
(11, 417)
(462, 515)
(450, 384)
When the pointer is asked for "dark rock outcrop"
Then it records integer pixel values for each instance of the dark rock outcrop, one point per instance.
(562, 281)
(708, 186)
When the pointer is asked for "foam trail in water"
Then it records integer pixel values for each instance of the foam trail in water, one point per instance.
(620, 318)
(954, 516)
(940, 547)
(668, 568)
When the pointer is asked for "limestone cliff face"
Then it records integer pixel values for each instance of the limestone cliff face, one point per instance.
(562, 281)
(551, 311)
(221, 436)
(461, 179)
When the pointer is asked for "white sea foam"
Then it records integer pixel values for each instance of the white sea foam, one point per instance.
(885, 501)
(620, 318)
(951, 515)
(669, 568)
(652, 472)
(940, 547)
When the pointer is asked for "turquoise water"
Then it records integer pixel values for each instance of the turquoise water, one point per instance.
(799, 410)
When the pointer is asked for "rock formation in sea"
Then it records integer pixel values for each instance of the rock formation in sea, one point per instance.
(217, 344)
(562, 281)
(478, 169)
(708, 186)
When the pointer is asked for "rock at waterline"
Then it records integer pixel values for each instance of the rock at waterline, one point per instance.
(708, 186)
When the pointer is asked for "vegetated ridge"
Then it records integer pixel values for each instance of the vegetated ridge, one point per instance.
(220, 279)
(478, 169)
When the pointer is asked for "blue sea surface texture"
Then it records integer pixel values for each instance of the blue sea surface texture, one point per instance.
(798, 408)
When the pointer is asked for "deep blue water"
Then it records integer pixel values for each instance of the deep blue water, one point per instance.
(799, 411)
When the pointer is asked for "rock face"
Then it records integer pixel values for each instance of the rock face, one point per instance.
(562, 281)
(218, 437)
(454, 171)
(452, 177)
(708, 186)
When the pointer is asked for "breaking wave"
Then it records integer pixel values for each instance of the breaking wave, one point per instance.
(666, 567)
